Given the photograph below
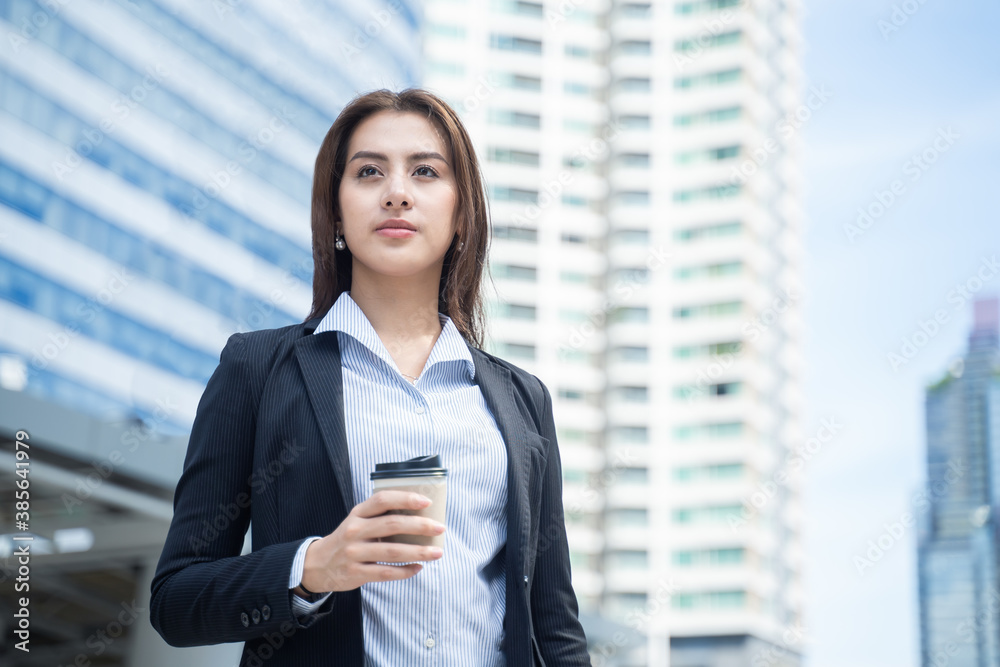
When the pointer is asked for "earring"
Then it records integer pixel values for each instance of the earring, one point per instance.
(461, 244)
(339, 243)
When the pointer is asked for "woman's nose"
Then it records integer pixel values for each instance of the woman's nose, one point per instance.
(397, 193)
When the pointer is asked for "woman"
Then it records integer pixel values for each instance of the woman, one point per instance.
(386, 367)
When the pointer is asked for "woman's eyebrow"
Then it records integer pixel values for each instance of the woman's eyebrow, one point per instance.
(423, 155)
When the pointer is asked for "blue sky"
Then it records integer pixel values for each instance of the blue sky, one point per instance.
(891, 96)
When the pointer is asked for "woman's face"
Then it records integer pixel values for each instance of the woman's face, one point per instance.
(398, 196)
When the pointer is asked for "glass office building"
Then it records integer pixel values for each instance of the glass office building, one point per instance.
(155, 179)
(156, 161)
(958, 549)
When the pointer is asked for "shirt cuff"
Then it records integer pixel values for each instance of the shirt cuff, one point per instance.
(299, 606)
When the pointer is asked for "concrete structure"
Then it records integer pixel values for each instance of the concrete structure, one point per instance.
(642, 165)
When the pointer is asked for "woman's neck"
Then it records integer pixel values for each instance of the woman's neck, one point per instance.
(404, 314)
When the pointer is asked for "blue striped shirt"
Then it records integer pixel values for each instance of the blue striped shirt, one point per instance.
(452, 611)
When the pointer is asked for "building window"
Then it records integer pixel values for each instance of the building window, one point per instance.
(515, 233)
(634, 122)
(571, 394)
(710, 431)
(634, 84)
(632, 394)
(634, 476)
(713, 472)
(686, 392)
(514, 118)
(638, 435)
(512, 156)
(633, 160)
(712, 349)
(635, 47)
(719, 78)
(711, 600)
(723, 191)
(629, 315)
(573, 277)
(533, 9)
(630, 236)
(721, 309)
(516, 351)
(515, 311)
(573, 356)
(628, 559)
(706, 514)
(630, 354)
(698, 6)
(709, 557)
(636, 10)
(690, 234)
(517, 81)
(707, 155)
(571, 316)
(521, 195)
(577, 51)
(576, 125)
(630, 276)
(631, 198)
(515, 272)
(715, 270)
(711, 116)
(708, 41)
(577, 88)
(514, 43)
(573, 200)
(628, 517)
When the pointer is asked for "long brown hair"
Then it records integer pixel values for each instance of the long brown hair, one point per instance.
(459, 293)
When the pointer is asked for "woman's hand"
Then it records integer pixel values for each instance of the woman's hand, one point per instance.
(351, 555)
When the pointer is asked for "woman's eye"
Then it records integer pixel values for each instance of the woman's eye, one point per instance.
(426, 171)
(368, 171)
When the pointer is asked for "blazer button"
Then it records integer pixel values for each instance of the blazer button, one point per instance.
(265, 612)
(525, 580)
(245, 620)
(255, 615)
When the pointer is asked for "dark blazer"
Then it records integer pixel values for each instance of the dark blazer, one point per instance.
(270, 429)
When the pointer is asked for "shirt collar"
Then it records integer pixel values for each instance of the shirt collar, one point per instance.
(346, 316)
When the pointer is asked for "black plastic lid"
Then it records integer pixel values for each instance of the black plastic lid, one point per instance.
(421, 466)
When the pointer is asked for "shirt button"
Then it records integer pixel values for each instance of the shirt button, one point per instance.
(429, 642)
(420, 410)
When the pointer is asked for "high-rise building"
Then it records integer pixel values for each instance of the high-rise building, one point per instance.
(641, 160)
(155, 179)
(156, 169)
(959, 544)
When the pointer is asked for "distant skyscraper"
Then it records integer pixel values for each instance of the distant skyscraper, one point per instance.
(643, 175)
(155, 178)
(959, 543)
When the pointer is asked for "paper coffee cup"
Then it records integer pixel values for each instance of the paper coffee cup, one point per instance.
(423, 475)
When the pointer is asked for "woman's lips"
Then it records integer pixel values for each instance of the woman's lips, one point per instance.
(396, 232)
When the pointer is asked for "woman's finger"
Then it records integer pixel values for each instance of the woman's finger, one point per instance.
(381, 502)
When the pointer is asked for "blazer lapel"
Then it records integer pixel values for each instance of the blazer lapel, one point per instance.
(494, 382)
(319, 358)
